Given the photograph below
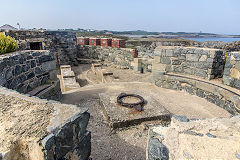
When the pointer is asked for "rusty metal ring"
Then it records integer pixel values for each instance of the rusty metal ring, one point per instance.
(138, 106)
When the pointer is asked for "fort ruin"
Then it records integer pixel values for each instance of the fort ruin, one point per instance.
(45, 106)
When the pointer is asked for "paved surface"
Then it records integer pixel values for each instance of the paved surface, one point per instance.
(131, 143)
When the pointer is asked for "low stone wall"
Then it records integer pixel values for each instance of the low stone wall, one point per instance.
(146, 48)
(231, 75)
(223, 97)
(117, 56)
(41, 129)
(201, 62)
(61, 43)
(25, 70)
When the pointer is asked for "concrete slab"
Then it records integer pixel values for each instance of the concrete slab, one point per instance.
(118, 116)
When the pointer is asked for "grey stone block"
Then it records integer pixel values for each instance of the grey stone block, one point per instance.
(48, 66)
(156, 150)
(165, 60)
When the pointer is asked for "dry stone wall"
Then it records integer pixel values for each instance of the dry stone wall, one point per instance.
(200, 62)
(117, 56)
(231, 75)
(61, 43)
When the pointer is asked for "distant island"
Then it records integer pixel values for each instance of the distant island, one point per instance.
(142, 34)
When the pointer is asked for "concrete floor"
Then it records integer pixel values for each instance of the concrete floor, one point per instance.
(127, 144)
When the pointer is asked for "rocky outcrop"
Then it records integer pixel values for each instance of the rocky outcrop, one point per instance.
(184, 138)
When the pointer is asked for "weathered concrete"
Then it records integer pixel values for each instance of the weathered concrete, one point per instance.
(67, 78)
(118, 116)
(41, 129)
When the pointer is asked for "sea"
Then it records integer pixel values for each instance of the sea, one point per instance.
(214, 39)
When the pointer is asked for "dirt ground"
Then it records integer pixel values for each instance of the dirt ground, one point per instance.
(130, 143)
(83, 73)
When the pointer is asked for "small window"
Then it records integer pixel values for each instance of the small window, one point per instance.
(115, 42)
(104, 42)
(92, 41)
(36, 46)
(81, 40)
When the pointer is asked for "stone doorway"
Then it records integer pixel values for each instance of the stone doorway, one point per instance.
(36, 46)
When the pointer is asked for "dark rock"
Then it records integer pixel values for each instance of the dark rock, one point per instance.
(181, 118)
(38, 70)
(156, 150)
(48, 142)
(30, 75)
(83, 148)
(211, 135)
(25, 68)
(18, 69)
(21, 60)
(36, 54)
(33, 63)
(193, 133)
(8, 74)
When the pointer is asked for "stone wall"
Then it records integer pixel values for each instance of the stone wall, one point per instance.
(116, 56)
(25, 70)
(41, 129)
(201, 62)
(231, 75)
(223, 97)
(146, 48)
(61, 43)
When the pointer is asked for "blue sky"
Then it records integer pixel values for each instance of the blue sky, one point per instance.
(215, 16)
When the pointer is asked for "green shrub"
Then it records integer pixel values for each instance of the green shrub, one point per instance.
(7, 44)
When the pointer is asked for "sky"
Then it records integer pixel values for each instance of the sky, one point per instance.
(212, 16)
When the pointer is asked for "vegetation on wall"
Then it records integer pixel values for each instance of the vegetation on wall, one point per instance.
(7, 44)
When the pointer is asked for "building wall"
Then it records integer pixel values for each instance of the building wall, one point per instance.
(231, 75)
(200, 62)
(25, 70)
(61, 43)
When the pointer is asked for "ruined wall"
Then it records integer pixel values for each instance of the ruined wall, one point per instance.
(231, 75)
(61, 43)
(201, 62)
(25, 70)
(117, 56)
(41, 129)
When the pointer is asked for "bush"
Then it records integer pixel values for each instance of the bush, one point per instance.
(7, 44)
